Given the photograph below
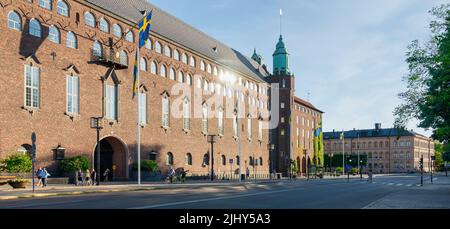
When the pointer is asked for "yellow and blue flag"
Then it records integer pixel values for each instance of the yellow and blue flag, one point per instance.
(135, 72)
(144, 29)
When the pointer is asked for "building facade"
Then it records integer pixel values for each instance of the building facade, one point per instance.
(65, 61)
(388, 150)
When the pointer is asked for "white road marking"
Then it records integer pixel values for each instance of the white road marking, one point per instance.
(390, 184)
(213, 199)
(399, 184)
(409, 185)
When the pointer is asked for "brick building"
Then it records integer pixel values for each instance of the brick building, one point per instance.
(388, 150)
(64, 62)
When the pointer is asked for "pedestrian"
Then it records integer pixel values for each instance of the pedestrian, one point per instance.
(39, 176)
(87, 178)
(106, 174)
(370, 176)
(171, 174)
(183, 175)
(247, 173)
(45, 175)
(94, 177)
(79, 177)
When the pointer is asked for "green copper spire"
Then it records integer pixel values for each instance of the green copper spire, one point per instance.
(256, 57)
(281, 59)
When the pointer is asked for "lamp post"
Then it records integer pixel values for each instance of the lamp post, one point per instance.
(360, 169)
(212, 139)
(96, 123)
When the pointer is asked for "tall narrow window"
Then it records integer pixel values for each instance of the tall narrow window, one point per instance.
(143, 65)
(71, 41)
(89, 19)
(32, 78)
(117, 30)
(188, 159)
(47, 4)
(169, 158)
(104, 25)
(184, 58)
(260, 130)
(72, 95)
(163, 71)
(172, 74)
(165, 112)
(249, 127)
(153, 68)
(220, 121)
(167, 51)
(14, 21)
(111, 102)
(158, 47)
(192, 62)
(123, 58)
(35, 28)
(129, 36)
(142, 108)
(235, 125)
(149, 44)
(189, 79)
(53, 34)
(63, 9)
(186, 114)
(205, 118)
(180, 77)
(176, 55)
(97, 49)
(202, 66)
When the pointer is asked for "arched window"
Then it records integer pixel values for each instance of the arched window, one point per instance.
(192, 62)
(149, 44)
(205, 159)
(172, 74)
(205, 85)
(89, 19)
(63, 8)
(14, 21)
(202, 65)
(180, 77)
(117, 30)
(143, 65)
(165, 112)
(238, 160)
(104, 25)
(169, 158)
(154, 68)
(215, 72)
(129, 36)
(123, 58)
(35, 28)
(220, 122)
(189, 79)
(71, 41)
(188, 159)
(250, 161)
(163, 71)
(47, 4)
(184, 58)
(199, 83)
(260, 161)
(209, 69)
(53, 34)
(224, 160)
(205, 118)
(158, 47)
(186, 114)
(97, 49)
(167, 51)
(176, 55)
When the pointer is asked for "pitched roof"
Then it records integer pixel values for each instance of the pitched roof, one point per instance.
(389, 132)
(307, 104)
(178, 31)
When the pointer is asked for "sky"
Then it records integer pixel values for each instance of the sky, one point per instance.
(348, 56)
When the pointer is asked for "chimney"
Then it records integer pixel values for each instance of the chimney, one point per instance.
(377, 126)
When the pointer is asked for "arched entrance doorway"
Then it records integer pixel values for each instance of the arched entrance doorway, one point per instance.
(112, 157)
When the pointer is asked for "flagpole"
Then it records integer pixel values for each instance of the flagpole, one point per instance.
(343, 152)
(138, 119)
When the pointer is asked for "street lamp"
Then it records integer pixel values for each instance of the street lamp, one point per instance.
(96, 123)
(212, 139)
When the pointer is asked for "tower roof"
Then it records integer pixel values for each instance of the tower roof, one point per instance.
(281, 47)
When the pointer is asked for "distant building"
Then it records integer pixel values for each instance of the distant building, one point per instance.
(388, 150)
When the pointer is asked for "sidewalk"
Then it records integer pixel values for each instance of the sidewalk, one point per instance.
(7, 192)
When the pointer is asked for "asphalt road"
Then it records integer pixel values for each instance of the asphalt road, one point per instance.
(316, 194)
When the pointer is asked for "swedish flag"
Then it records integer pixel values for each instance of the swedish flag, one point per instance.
(144, 29)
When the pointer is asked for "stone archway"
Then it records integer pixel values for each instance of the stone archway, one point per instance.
(113, 154)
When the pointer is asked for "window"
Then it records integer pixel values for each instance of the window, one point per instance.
(97, 49)
(184, 58)
(189, 79)
(165, 112)
(215, 71)
(169, 158)
(180, 77)
(186, 114)
(220, 122)
(205, 85)
(63, 9)
(250, 161)
(238, 160)
(224, 160)
(111, 102)
(202, 66)
(188, 160)
(282, 105)
(104, 25)
(89, 19)
(205, 159)
(235, 125)
(163, 71)
(249, 127)
(142, 108)
(143, 65)
(149, 44)
(209, 69)
(153, 68)
(167, 51)
(14, 21)
(192, 62)
(117, 30)
(32, 78)
(71, 41)
(172, 74)
(72, 94)
(158, 47)
(176, 55)
(35, 28)
(260, 130)
(123, 58)
(205, 118)
(47, 4)
(53, 34)
(129, 36)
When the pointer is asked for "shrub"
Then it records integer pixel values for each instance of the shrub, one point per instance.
(75, 163)
(339, 170)
(17, 163)
(147, 165)
(354, 171)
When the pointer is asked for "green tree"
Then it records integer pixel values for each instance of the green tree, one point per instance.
(427, 97)
(438, 153)
(75, 163)
(17, 163)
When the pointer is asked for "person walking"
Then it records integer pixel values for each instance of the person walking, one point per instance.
(94, 177)
(183, 175)
(45, 175)
(370, 176)
(171, 174)
(247, 173)
(106, 174)
(87, 178)
(39, 176)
